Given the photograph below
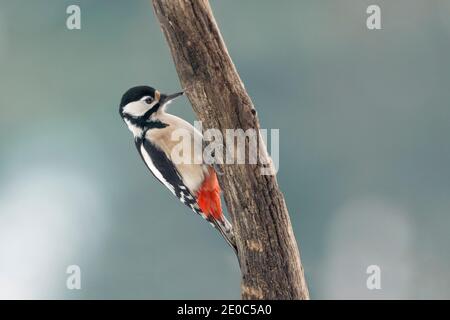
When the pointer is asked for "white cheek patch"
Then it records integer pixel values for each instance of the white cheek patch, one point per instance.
(138, 108)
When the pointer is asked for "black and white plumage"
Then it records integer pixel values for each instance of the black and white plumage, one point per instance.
(163, 169)
(193, 183)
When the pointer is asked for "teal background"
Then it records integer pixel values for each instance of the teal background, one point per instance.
(364, 121)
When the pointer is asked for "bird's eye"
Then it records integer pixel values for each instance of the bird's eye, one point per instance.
(148, 100)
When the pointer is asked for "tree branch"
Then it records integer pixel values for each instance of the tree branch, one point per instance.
(268, 253)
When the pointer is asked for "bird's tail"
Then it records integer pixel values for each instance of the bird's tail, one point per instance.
(226, 230)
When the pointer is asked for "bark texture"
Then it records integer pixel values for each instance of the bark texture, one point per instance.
(267, 249)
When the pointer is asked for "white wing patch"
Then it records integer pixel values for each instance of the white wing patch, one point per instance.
(151, 166)
(173, 182)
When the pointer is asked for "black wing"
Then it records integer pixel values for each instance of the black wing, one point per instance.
(164, 170)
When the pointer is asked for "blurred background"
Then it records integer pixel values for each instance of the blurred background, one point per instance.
(364, 121)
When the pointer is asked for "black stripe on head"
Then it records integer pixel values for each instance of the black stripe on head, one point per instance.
(148, 124)
(143, 121)
(135, 94)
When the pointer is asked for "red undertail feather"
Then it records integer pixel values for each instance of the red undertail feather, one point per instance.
(208, 197)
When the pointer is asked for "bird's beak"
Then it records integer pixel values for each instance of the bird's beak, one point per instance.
(167, 98)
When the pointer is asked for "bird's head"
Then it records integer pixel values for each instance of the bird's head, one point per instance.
(142, 104)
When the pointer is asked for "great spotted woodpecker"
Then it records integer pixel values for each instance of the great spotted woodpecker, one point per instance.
(193, 182)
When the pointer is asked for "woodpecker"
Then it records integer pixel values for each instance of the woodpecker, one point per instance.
(194, 183)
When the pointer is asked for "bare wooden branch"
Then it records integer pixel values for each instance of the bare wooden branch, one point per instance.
(268, 253)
